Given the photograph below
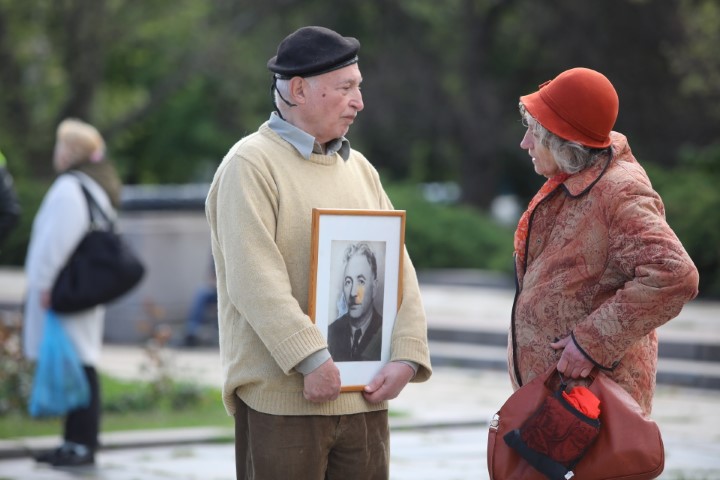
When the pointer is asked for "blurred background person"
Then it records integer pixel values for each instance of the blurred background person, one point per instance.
(9, 205)
(205, 298)
(60, 224)
(598, 267)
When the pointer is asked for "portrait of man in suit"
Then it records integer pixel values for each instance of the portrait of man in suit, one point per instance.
(356, 335)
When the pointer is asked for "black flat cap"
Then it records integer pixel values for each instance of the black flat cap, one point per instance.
(312, 51)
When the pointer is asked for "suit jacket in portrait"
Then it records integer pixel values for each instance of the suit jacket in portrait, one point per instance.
(340, 343)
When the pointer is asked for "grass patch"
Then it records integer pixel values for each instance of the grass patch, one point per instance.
(134, 405)
(205, 410)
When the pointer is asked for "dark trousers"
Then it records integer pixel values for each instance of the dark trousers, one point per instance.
(82, 425)
(312, 447)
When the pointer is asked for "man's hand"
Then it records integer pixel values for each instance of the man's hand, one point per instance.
(323, 383)
(572, 361)
(389, 382)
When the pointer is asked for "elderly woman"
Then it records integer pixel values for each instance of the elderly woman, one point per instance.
(598, 267)
(59, 226)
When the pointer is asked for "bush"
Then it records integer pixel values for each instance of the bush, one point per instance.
(451, 236)
(161, 391)
(692, 204)
(132, 396)
(16, 373)
(30, 194)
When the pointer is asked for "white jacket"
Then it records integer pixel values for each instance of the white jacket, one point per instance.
(59, 226)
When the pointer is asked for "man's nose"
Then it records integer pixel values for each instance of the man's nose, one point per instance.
(357, 293)
(357, 101)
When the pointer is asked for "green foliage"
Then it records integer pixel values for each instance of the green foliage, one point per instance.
(692, 204)
(451, 236)
(15, 371)
(30, 194)
(172, 93)
(196, 406)
(696, 60)
(196, 148)
(129, 396)
(163, 390)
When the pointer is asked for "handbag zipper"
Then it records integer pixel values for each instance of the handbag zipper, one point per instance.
(495, 422)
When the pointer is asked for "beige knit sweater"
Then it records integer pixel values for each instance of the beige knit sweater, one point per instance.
(260, 211)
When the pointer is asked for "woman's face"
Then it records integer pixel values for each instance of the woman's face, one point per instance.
(542, 158)
(60, 160)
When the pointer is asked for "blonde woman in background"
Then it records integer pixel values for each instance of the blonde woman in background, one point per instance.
(59, 226)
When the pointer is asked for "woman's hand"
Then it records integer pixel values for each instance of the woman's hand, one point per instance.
(572, 361)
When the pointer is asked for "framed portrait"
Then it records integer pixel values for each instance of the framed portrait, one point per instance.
(356, 287)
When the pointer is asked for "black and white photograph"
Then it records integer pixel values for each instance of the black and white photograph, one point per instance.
(357, 290)
(355, 285)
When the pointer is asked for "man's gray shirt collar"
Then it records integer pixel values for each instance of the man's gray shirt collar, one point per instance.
(303, 142)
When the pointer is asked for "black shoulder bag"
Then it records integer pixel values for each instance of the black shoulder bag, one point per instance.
(102, 268)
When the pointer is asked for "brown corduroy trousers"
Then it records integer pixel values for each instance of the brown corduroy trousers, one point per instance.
(313, 447)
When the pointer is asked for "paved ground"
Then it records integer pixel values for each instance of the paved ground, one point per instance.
(439, 431)
(439, 428)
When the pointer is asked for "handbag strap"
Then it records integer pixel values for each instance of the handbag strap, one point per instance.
(93, 205)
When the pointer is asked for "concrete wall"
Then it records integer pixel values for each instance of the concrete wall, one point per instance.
(175, 246)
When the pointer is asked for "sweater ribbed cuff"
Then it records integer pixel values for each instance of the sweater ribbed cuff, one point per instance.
(413, 350)
(296, 348)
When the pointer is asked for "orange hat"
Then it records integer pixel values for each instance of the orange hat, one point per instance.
(580, 105)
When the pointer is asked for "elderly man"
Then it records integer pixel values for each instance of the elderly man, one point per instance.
(281, 384)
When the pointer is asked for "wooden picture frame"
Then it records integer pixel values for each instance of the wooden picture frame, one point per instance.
(342, 288)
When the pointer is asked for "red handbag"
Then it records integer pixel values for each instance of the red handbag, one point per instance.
(628, 446)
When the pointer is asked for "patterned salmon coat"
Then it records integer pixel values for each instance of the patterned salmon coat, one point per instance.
(603, 266)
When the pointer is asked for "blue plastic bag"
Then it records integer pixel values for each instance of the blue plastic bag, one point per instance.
(60, 384)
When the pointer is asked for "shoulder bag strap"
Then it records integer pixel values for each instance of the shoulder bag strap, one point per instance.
(91, 202)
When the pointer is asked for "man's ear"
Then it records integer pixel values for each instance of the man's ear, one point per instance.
(298, 90)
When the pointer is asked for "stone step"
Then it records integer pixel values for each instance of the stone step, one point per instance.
(689, 373)
(467, 355)
(681, 372)
(689, 349)
(670, 346)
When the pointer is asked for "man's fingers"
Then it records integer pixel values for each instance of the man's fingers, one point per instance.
(323, 383)
(319, 397)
